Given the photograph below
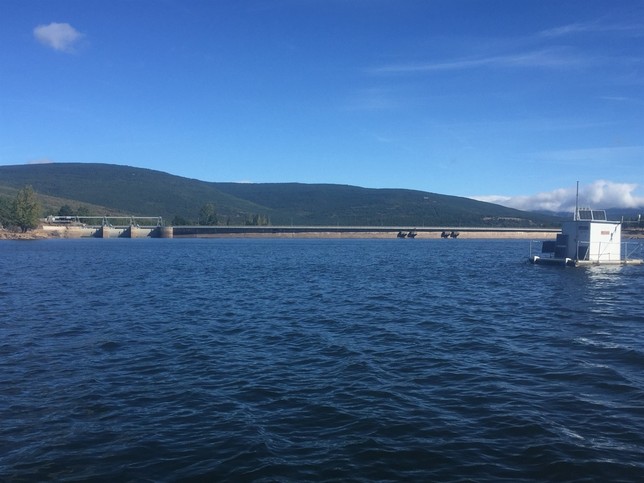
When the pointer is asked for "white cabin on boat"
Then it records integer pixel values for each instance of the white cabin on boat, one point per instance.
(588, 239)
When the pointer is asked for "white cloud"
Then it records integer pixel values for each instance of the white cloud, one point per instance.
(40, 161)
(610, 195)
(58, 36)
(600, 194)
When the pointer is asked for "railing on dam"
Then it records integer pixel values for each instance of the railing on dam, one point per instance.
(106, 220)
(107, 226)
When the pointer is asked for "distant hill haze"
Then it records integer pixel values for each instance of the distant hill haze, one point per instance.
(115, 189)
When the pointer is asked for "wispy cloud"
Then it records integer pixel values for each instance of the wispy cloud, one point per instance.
(544, 58)
(58, 36)
(630, 155)
(592, 27)
(622, 99)
(374, 99)
(546, 51)
(599, 194)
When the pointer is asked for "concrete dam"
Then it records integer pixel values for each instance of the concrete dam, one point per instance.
(153, 227)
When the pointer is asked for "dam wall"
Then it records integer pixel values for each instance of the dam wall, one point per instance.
(72, 231)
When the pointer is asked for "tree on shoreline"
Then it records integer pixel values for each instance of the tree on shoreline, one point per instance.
(26, 209)
(67, 210)
(6, 208)
(208, 215)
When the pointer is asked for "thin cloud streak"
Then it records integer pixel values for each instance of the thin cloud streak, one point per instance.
(592, 27)
(616, 154)
(545, 58)
(622, 99)
(549, 57)
(372, 100)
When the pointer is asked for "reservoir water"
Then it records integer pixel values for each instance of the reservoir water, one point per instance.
(316, 360)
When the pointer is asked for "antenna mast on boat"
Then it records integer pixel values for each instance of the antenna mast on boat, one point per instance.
(574, 216)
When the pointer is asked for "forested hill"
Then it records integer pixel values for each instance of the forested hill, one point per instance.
(145, 192)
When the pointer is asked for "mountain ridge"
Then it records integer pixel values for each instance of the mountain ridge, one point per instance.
(147, 192)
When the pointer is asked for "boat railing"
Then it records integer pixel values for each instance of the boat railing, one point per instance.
(632, 250)
(628, 250)
(536, 249)
(542, 249)
(585, 249)
(597, 251)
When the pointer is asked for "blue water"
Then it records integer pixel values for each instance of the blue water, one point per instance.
(314, 360)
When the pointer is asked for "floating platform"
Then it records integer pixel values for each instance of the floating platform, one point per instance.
(571, 262)
(589, 239)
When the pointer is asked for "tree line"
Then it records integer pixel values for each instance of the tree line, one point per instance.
(208, 216)
(25, 210)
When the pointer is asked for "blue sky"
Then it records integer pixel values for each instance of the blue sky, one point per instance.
(508, 101)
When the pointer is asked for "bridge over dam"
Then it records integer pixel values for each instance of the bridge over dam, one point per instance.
(153, 227)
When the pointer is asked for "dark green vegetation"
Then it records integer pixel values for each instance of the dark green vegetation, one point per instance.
(113, 189)
(25, 210)
(6, 211)
(22, 212)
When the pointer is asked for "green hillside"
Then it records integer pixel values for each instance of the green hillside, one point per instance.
(351, 205)
(144, 192)
(123, 189)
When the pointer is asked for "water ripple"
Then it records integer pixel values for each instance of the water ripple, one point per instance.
(314, 360)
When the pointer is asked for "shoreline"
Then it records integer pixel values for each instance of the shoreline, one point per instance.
(64, 233)
(380, 235)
